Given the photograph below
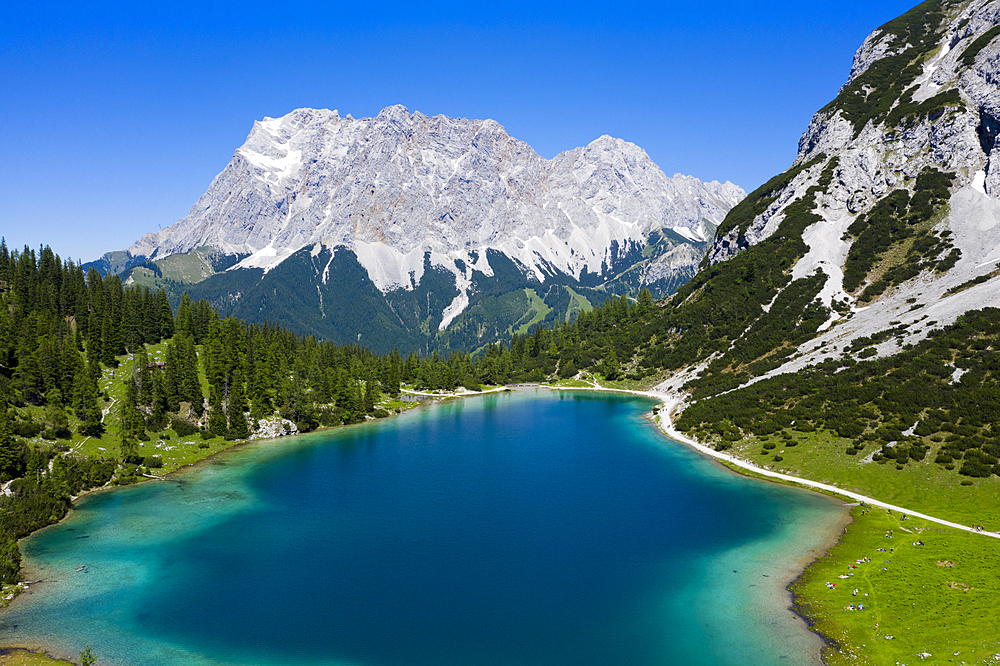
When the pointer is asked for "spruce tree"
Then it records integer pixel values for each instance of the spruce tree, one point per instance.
(238, 426)
(129, 448)
(172, 379)
(10, 561)
(216, 415)
(184, 323)
(357, 410)
(9, 450)
(27, 379)
(93, 339)
(86, 407)
(165, 317)
(190, 384)
(132, 422)
(610, 365)
(371, 394)
(391, 383)
(141, 375)
(108, 343)
(646, 302)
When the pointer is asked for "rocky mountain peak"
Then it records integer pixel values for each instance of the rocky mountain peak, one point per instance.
(424, 217)
(401, 184)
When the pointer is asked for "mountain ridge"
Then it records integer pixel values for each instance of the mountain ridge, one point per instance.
(426, 167)
(941, 77)
(406, 193)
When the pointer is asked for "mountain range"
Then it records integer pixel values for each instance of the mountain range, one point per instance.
(426, 232)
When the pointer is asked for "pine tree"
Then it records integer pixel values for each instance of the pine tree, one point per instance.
(9, 450)
(216, 415)
(87, 657)
(371, 394)
(238, 426)
(108, 343)
(133, 423)
(610, 365)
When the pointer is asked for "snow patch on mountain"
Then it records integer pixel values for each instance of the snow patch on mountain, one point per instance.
(275, 167)
(925, 84)
(463, 281)
(267, 258)
(694, 235)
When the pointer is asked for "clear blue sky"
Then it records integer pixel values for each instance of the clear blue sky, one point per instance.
(115, 117)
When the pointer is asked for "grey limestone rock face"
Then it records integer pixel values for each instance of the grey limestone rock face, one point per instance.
(947, 118)
(677, 259)
(876, 159)
(402, 184)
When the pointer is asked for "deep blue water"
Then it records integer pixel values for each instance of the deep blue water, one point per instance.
(532, 528)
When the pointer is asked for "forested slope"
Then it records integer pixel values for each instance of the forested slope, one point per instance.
(101, 384)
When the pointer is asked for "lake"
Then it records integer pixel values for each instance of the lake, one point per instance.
(513, 529)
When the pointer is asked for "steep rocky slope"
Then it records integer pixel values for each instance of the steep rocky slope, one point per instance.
(889, 213)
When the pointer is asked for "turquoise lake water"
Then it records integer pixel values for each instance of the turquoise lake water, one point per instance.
(527, 528)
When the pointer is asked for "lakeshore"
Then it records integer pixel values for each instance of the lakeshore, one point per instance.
(854, 637)
(565, 442)
(803, 604)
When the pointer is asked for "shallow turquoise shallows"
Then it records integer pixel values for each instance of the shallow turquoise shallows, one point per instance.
(527, 528)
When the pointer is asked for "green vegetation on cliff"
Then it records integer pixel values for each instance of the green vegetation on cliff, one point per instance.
(937, 401)
(872, 97)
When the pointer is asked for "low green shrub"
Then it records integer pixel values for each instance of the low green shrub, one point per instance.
(183, 428)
